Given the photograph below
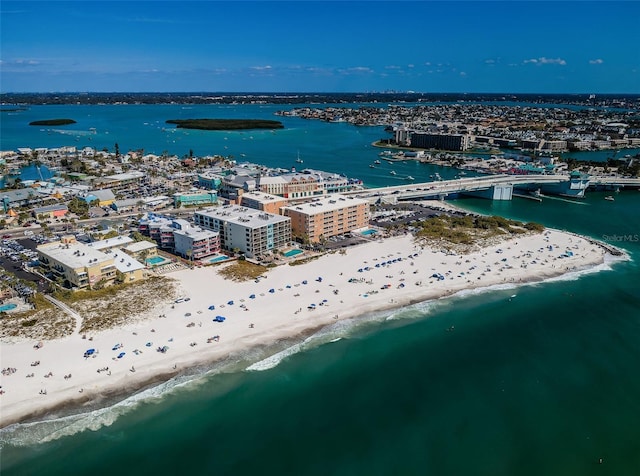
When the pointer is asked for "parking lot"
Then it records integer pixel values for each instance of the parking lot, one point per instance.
(14, 255)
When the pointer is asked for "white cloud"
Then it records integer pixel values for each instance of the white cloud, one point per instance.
(356, 70)
(543, 60)
(596, 61)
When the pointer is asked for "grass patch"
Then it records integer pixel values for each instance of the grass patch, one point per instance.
(121, 304)
(468, 232)
(44, 322)
(242, 271)
(303, 260)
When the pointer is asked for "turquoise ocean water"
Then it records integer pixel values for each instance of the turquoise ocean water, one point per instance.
(543, 384)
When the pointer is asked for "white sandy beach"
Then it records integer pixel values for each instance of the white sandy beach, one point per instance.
(283, 307)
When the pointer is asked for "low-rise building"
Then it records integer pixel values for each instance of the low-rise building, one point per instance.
(105, 197)
(263, 201)
(119, 241)
(76, 264)
(58, 210)
(142, 250)
(194, 198)
(120, 182)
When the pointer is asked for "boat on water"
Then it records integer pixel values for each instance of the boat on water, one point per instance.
(372, 166)
(409, 177)
(610, 198)
(393, 172)
(376, 161)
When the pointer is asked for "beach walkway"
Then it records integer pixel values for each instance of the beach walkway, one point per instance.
(68, 310)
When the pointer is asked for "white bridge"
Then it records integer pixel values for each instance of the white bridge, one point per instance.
(495, 187)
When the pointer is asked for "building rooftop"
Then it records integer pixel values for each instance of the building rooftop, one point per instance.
(326, 204)
(74, 255)
(248, 217)
(262, 197)
(140, 246)
(125, 263)
(118, 241)
(196, 233)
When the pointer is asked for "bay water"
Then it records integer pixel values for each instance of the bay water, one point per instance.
(546, 382)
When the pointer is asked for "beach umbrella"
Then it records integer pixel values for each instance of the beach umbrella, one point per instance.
(212, 307)
(252, 296)
(230, 303)
(121, 354)
(272, 290)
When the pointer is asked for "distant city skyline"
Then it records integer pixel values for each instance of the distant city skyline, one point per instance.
(330, 46)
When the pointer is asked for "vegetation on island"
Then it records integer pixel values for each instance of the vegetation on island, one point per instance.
(465, 232)
(52, 122)
(226, 124)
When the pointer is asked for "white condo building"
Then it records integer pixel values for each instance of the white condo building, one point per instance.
(252, 232)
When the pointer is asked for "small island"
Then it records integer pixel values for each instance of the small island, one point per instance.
(226, 124)
(53, 122)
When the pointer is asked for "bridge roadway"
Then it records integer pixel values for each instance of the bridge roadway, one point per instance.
(445, 187)
(476, 184)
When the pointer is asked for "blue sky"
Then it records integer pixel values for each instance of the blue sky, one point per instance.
(328, 46)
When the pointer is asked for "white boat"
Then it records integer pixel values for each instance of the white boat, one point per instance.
(393, 172)
(372, 166)
(376, 161)
(610, 198)
(409, 177)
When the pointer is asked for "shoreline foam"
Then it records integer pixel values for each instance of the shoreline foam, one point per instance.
(277, 321)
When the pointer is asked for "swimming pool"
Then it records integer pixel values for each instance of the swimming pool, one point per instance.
(291, 253)
(155, 260)
(218, 259)
(8, 307)
(368, 232)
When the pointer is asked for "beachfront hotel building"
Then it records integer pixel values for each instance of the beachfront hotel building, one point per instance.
(329, 216)
(180, 237)
(263, 201)
(195, 243)
(252, 232)
(81, 266)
